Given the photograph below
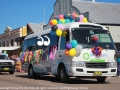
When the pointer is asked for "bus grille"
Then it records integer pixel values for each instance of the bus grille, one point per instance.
(96, 65)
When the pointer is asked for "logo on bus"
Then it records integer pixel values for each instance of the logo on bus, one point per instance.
(42, 42)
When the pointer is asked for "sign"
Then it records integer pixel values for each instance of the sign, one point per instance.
(24, 31)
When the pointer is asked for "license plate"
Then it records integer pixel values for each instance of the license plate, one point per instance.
(97, 73)
(6, 68)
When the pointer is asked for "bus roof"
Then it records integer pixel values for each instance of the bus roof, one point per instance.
(67, 25)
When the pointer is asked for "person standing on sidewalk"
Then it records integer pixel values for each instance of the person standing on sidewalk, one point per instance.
(117, 56)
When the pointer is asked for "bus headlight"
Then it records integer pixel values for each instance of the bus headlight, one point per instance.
(112, 65)
(13, 63)
(78, 64)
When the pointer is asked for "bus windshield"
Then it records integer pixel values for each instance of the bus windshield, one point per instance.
(84, 35)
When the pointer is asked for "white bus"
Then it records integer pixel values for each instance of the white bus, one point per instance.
(85, 65)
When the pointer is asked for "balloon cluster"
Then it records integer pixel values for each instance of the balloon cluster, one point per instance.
(73, 49)
(97, 51)
(58, 21)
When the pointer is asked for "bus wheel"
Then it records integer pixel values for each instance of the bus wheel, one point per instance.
(101, 80)
(62, 74)
(31, 72)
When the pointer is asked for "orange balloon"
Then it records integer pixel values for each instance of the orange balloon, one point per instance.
(67, 52)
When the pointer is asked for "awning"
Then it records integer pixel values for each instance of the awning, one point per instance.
(10, 48)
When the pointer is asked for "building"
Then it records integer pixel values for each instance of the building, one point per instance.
(11, 40)
(107, 14)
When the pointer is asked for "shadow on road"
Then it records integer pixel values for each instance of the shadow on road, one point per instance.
(70, 81)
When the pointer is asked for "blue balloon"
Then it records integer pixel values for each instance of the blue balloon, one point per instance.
(74, 43)
(57, 18)
(66, 16)
(60, 22)
(72, 21)
(52, 33)
(71, 17)
(77, 19)
(67, 20)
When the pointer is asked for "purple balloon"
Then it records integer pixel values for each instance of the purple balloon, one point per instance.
(68, 46)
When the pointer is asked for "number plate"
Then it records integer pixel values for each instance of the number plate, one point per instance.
(97, 73)
(6, 68)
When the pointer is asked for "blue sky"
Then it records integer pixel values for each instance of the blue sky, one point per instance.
(17, 13)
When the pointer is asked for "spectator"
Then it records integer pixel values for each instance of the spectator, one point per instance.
(117, 56)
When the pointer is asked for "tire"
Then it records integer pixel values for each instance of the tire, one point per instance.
(11, 72)
(31, 72)
(62, 74)
(101, 80)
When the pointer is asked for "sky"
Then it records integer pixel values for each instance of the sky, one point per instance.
(17, 13)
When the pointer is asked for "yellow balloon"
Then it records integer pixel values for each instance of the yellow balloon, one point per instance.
(76, 15)
(85, 20)
(64, 33)
(72, 52)
(68, 14)
(59, 32)
(54, 22)
(63, 21)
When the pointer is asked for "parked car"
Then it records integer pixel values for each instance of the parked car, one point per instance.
(6, 65)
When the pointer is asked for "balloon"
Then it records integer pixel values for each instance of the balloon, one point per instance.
(51, 22)
(60, 26)
(95, 38)
(67, 20)
(57, 18)
(60, 22)
(59, 32)
(74, 15)
(79, 48)
(66, 16)
(68, 46)
(54, 22)
(85, 20)
(71, 17)
(54, 27)
(72, 52)
(74, 43)
(63, 21)
(81, 17)
(77, 53)
(77, 19)
(61, 16)
(64, 33)
(72, 21)
(52, 33)
(67, 52)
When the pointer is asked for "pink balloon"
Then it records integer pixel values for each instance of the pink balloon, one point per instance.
(61, 16)
(81, 17)
(74, 15)
(60, 26)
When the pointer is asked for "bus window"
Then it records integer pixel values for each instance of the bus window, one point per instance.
(31, 44)
(24, 45)
(64, 40)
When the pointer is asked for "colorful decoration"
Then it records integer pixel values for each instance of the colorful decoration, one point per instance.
(97, 51)
(53, 52)
(58, 21)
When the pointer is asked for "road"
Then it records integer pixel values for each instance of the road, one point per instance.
(20, 81)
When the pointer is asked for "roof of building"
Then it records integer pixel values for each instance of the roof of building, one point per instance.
(36, 27)
(104, 13)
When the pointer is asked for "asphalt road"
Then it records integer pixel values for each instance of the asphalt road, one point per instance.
(20, 81)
